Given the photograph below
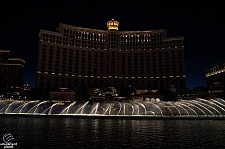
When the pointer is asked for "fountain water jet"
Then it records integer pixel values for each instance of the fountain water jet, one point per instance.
(67, 108)
(183, 108)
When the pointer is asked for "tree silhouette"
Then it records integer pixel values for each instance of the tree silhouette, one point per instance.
(82, 94)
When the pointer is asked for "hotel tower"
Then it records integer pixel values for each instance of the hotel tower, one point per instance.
(74, 56)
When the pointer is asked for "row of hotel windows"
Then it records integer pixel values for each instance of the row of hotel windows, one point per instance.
(68, 51)
(99, 42)
(124, 71)
(99, 70)
(84, 35)
(77, 43)
(6, 68)
(75, 80)
(62, 78)
(90, 65)
(124, 47)
(8, 62)
(129, 76)
(142, 37)
(217, 68)
(149, 46)
(5, 55)
(125, 64)
(114, 45)
(10, 74)
(53, 82)
(112, 33)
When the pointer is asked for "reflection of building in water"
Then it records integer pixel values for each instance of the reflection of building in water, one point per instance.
(73, 56)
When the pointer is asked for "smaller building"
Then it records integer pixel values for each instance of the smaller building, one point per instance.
(186, 97)
(216, 91)
(215, 77)
(11, 70)
(106, 94)
(147, 94)
(216, 74)
(62, 95)
(26, 86)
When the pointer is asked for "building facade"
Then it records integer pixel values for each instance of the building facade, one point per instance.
(75, 56)
(11, 70)
(215, 78)
(216, 74)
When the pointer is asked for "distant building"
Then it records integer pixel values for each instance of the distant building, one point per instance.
(26, 86)
(216, 74)
(217, 90)
(11, 70)
(215, 77)
(62, 95)
(73, 56)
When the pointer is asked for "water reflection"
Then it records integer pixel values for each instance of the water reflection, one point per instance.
(111, 133)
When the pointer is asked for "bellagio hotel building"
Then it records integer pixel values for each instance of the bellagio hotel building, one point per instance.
(74, 56)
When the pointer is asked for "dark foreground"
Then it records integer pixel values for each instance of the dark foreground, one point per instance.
(110, 132)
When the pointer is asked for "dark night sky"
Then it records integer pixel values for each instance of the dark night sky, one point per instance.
(201, 23)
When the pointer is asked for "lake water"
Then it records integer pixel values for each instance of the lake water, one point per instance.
(63, 133)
